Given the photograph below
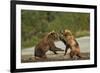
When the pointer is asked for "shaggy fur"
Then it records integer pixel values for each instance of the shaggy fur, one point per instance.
(72, 44)
(47, 43)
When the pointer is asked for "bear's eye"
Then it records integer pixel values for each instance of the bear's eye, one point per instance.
(52, 33)
(66, 34)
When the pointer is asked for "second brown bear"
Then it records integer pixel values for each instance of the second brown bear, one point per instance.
(72, 44)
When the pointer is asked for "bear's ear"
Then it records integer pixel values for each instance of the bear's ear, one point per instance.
(66, 30)
(64, 34)
(52, 32)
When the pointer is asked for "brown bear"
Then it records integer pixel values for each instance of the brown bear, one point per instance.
(72, 44)
(47, 43)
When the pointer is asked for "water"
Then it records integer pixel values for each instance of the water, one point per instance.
(84, 43)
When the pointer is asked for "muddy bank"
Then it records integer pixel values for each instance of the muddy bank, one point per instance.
(52, 57)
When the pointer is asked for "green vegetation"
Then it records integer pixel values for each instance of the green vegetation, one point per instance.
(35, 24)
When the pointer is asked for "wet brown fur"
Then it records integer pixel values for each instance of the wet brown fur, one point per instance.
(72, 44)
(47, 43)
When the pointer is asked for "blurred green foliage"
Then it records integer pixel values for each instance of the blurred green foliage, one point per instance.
(35, 24)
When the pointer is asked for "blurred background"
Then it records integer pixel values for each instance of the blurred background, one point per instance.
(36, 24)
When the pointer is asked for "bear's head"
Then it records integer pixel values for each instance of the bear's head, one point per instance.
(67, 33)
(53, 35)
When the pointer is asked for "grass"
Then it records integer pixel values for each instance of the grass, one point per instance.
(82, 33)
(34, 24)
